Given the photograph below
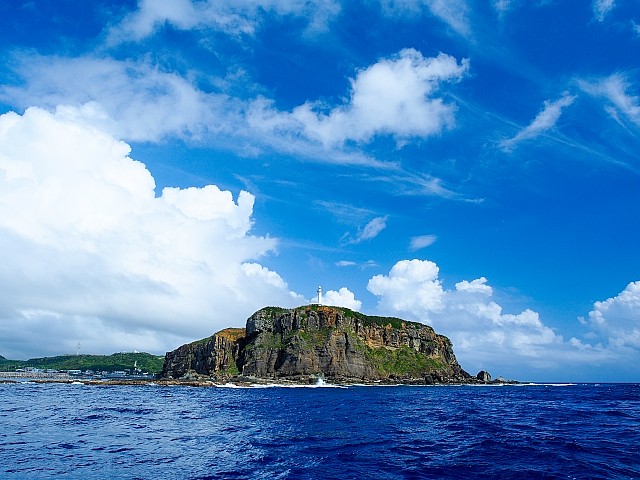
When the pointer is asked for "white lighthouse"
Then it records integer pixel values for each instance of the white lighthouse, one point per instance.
(319, 295)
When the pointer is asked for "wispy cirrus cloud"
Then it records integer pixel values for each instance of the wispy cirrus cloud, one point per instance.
(233, 18)
(543, 122)
(454, 13)
(601, 8)
(616, 89)
(503, 6)
(345, 263)
(421, 242)
(348, 263)
(370, 230)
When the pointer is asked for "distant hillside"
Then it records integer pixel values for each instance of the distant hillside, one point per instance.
(109, 363)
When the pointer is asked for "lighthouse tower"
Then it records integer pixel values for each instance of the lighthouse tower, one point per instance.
(319, 295)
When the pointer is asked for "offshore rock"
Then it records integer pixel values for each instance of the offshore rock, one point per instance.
(483, 376)
(311, 342)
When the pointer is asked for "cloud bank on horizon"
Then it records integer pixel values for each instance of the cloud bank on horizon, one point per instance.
(429, 135)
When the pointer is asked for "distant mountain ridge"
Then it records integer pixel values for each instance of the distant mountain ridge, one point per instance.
(310, 342)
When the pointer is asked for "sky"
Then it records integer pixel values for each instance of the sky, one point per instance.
(169, 167)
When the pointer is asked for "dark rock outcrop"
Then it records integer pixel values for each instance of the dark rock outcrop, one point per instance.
(483, 376)
(322, 342)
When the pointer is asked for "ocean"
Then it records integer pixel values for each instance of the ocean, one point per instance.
(582, 431)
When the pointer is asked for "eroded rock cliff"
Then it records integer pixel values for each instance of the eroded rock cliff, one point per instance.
(321, 342)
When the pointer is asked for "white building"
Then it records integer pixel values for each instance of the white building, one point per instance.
(319, 299)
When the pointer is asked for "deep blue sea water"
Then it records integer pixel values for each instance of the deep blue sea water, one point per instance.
(153, 432)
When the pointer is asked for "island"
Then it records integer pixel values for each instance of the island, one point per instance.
(316, 343)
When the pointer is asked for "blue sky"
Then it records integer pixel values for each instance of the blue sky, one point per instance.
(472, 165)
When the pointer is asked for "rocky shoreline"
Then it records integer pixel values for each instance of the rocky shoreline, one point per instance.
(235, 382)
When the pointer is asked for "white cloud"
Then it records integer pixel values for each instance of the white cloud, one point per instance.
(482, 335)
(453, 12)
(370, 230)
(636, 27)
(342, 298)
(234, 18)
(544, 121)
(345, 263)
(601, 8)
(614, 88)
(422, 241)
(475, 286)
(502, 6)
(138, 101)
(368, 264)
(135, 101)
(412, 285)
(90, 254)
(392, 97)
(618, 318)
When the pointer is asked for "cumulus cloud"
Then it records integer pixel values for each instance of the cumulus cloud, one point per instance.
(544, 121)
(342, 298)
(422, 241)
(601, 8)
(618, 318)
(234, 18)
(392, 97)
(483, 336)
(615, 89)
(90, 254)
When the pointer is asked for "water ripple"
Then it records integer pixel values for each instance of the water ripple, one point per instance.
(571, 431)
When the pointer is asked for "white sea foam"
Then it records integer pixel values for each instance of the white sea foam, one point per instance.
(319, 384)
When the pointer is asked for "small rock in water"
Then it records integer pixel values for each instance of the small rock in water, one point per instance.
(483, 376)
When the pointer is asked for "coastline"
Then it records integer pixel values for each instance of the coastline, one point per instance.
(238, 383)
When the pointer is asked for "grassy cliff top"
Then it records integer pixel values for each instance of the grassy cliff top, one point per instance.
(347, 312)
(109, 363)
(232, 334)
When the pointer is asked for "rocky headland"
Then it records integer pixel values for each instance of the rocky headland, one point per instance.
(314, 342)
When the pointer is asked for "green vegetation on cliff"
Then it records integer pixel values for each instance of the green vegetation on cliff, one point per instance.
(108, 363)
(403, 361)
(366, 320)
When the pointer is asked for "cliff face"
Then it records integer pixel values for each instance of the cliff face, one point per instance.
(216, 354)
(314, 341)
